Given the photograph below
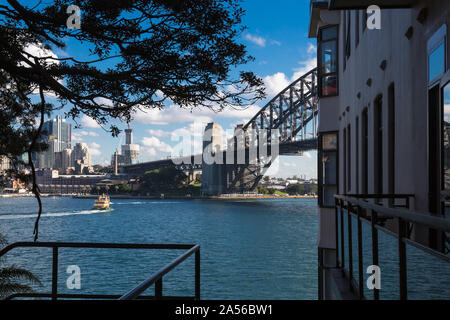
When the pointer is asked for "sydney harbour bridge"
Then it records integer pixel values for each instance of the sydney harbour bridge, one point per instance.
(286, 125)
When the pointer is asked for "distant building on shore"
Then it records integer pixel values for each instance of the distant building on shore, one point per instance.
(129, 151)
(81, 158)
(5, 164)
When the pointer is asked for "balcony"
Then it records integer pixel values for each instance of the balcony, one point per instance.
(369, 234)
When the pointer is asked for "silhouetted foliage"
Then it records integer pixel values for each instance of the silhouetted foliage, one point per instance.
(14, 279)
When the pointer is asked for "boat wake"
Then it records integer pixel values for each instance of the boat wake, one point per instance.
(144, 202)
(51, 214)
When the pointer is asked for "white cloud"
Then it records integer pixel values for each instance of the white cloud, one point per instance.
(171, 114)
(288, 164)
(278, 81)
(159, 133)
(275, 42)
(447, 111)
(79, 135)
(259, 41)
(175, 114)
(305, 66)
(38, 50)
(152, 147)
(312, 50)
(95, 145)
(94, 149)
(104, 102)
(88, 122)
(275, 83)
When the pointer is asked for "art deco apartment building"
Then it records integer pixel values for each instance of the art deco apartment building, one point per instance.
(384, 123)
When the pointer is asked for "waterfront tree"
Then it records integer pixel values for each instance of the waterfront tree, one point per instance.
(163, 179)
(142, 55)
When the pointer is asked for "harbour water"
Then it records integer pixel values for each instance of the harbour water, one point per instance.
(250, 249)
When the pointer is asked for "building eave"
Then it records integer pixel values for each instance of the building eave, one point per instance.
(316, 6)
(364, 4)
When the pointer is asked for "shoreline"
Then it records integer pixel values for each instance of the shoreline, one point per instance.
(123, 196)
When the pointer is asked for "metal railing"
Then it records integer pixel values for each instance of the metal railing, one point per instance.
(135, 293)
(358, 207)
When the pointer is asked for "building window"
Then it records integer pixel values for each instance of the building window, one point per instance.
(378, 145)
(349, 159)
(357, 155)
(391, 139)
(328, 160)
(364, 20)
(445, 146)
(344, 36)
(327, 61)
(348, 40)
(365, 151)
(357, 12)
(437, 54)
(344, 155)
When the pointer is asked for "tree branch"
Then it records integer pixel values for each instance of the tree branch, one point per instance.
(35, 188)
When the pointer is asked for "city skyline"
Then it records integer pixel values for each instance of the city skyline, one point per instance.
(281, 55)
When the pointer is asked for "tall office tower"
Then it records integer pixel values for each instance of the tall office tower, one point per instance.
(57, 133)
(61, 132)
(81, 153)
(130, 151)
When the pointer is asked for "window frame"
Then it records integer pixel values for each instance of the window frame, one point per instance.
(357, 23)
(349, 158)
(321, 152)
(443, 192)
(434, 42)
(378, 143)
(321, 75)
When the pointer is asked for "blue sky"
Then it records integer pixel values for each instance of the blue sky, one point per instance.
(276, 37)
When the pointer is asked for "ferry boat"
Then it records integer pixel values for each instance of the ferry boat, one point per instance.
(102, 203)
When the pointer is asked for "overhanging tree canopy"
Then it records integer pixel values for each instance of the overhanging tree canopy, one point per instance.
(142, 53)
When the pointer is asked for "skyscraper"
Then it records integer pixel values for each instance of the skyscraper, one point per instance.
(57, 133)
(60, 131)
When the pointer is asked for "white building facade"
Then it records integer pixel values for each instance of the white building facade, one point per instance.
(383, 111)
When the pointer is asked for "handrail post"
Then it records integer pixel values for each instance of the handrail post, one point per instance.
(320, 270)
(197, 274)
(158, 289)
(360, 256)
(337, 230)
(342, 235)
(376, 293)
(55, 273)
(402, 260)
(350, 246)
